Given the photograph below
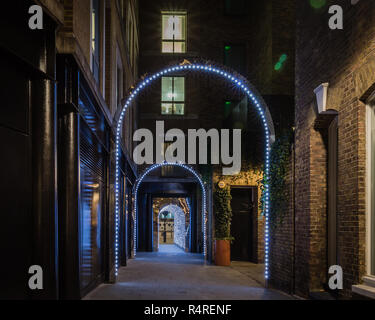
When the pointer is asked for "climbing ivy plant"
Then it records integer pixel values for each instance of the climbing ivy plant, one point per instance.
(206, 172)
(223, 213)
(280, 159)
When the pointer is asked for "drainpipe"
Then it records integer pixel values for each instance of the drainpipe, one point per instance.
(44, 185)
(294, 214)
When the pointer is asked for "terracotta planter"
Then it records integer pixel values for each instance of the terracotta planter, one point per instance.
(222, 253)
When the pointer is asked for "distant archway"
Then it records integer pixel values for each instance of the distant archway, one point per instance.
(180, 224)
(204, 199)
(242, 84)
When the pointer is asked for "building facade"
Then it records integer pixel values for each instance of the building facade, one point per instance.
(242, 38)
(64, 87)
(330, 217)
(72, 76)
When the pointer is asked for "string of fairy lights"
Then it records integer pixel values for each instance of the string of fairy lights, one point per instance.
(195, 174)
(241, 85)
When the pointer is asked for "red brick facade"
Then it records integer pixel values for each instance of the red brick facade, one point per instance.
(266, 31)
(345, 59)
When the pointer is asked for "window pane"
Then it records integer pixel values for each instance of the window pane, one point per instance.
(166, 89)
(95, 35)
(95, 68)
(239, 115)
(167, 47)
(166, 108)
(174, 28)
(178, 108)
(90, 225)
(235, 57)
(179, 27)
(179, 89)
(179, 47)
(228, 105)
(93, 30)
(167, 21)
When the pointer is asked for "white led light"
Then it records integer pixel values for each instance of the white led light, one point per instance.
(118, 131)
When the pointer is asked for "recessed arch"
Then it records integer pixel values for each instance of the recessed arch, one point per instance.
(169, 205)
(204, 199)
(242, 84)
(180, 224)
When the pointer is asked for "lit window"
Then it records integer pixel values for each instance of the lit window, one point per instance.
(173, 32)
(95, 34)
(173, 95)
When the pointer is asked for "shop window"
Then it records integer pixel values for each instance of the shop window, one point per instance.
(92, 199)
(173, 32)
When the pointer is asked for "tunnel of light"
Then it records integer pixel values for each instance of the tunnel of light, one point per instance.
(239, 83)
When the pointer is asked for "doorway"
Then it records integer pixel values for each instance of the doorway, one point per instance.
(166, 227)
(332, 192)
(244, 226)
(171, 221)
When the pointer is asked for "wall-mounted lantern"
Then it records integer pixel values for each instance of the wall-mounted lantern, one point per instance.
(321, 93)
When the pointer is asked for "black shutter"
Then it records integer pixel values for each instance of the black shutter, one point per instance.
(92, 175)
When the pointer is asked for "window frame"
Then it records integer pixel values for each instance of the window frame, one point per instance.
(119, 79)
(173, 41)
(370, 189)
(95, 54)
(173, 102)
(245, 62)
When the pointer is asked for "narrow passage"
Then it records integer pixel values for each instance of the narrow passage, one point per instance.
(172, 274)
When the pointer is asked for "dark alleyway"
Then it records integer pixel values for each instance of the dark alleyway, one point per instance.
(172, 274)
(186, 149)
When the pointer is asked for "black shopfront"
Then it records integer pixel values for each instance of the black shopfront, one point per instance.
(56, 169)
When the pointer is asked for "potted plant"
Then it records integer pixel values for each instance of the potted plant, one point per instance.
(223, 217)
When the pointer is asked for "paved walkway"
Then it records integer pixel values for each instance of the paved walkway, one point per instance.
(172, 274)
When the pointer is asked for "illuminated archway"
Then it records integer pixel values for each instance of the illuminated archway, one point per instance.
(187, 168)
(242, 84)
(179, 221)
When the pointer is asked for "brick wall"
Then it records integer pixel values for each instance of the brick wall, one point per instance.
(208, 30)
(345, 59)
(281, 243)
(267, 32)
(248, 177)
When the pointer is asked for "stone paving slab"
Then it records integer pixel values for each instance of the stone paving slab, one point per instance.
(175, 275)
